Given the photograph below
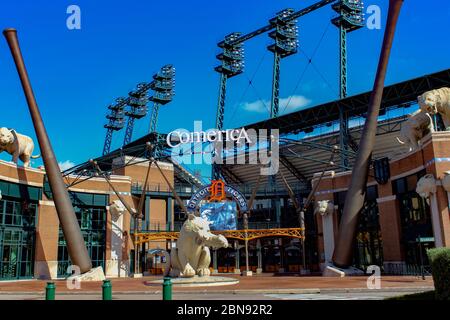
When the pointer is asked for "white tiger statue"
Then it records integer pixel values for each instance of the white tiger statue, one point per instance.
(415, 128)
(116, 208)
(324, 207)
(18, 145)
(426, 186)
(437, 101)
(446, 181)
(192, 256)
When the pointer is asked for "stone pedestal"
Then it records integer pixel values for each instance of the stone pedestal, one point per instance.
(247, 273)
(196, 281)
(136, 275)
(95, 274)
(332, 271)
(259, 270)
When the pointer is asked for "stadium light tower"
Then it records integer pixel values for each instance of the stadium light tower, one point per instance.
(286, 43)
(115, 122)
(163, 87)
(232, 64)
(350, 18)
(137, 102)
(285, 36)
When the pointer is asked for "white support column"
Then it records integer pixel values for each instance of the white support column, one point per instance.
(281, 250)
(328, 236)
(436, 221)
(259, 254)
(214, 259)
(116, 267)
(237, 258)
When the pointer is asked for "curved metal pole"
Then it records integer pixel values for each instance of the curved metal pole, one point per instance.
(354, 200)
(72, 233)
(138, 218)
(172, 189)
(253, 196)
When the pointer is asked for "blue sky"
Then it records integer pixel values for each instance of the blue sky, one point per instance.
(77, 73)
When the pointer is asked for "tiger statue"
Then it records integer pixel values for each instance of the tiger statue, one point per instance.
(437, 101)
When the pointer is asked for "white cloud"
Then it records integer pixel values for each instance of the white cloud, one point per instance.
(263, 106)
(257, 106)
(66, 165)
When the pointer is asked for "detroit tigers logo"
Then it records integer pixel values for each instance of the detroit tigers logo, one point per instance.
(217, 191)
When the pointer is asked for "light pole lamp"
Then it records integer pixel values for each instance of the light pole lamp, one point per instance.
(245, 220)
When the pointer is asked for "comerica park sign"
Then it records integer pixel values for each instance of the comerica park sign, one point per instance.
(215, 191)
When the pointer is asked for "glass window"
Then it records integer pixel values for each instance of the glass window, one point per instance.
(92, 220)
(372, 193)
(15, 213)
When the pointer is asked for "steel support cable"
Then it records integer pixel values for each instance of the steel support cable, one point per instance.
(79, 180)
(250, 81)
(172, 189)
(315, 145)
(323, 78)
(254, 192)
(306, 67)
(296, 155)
(259, 96)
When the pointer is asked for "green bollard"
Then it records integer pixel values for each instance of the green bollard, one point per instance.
(167, 289)
(50, 291)
(106, 290)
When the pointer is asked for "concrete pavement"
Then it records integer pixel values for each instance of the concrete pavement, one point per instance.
(261, 287)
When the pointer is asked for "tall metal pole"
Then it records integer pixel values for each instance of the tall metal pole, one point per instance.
(246, 242)
(129, 130)
(108, 140)
(75, 243)
(219, 119)
(354, 201)
(274, 109)
(275, 105)
(154, 117)
(343, 116)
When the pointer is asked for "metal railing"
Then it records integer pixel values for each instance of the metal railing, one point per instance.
(403, 269)
(157, 226)
(259, 225)
(245, 189)
(137, 187)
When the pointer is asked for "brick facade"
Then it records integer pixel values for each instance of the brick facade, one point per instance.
(434, 158)
(117, 243)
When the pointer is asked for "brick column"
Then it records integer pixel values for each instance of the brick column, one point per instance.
(46, 249)
(390, 226)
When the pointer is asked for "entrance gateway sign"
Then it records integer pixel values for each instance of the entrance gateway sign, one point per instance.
(205, 192)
